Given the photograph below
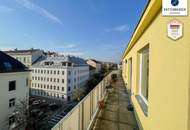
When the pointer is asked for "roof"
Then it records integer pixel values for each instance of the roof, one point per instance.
(98, 62)
(58, 60)
(9, 64)
(28, 51)
(150, 13)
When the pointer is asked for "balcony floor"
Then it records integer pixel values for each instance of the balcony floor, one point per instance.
(115, 115)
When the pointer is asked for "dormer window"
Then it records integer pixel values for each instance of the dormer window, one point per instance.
(63, 63)
(69, 64)
(48, 63)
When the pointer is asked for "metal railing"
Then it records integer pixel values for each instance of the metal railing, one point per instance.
(83, 114)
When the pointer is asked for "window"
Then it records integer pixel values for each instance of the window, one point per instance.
(62, 80)
(27, 81)
(58, 80)
(54, 72)
(69, 88)
(7, 66)
(54, 87)
(69, 64)
(69, 72)
(69, 81)
(144, 74)
(63, 64)
(63, 72)
(57, 72)
(11, 120)
(24, 59)
(57, 87)
(62, 88)
(11, 102)
(130, 75)
(12, 85)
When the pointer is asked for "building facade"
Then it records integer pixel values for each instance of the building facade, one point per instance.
(14, 87)
(61, 77)
(155, 69)
(95, 66)
(27, 57)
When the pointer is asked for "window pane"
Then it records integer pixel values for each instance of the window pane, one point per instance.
(145, 73)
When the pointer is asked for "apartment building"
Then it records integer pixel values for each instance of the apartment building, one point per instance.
(156, 70)
(94, 66)
(27, 57)
(13, 87)
(60, 77)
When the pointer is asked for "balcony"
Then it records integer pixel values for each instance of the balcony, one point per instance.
(87, 115)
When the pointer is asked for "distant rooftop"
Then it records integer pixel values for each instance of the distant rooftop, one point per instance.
(95, 61)
(58, 61)
(9, 64)
(16, 51)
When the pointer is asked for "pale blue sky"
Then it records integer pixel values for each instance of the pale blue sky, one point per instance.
(97, 29)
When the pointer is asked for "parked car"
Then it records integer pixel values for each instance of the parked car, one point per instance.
(53, 106)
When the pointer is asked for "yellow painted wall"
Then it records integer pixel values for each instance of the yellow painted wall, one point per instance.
(169, 70)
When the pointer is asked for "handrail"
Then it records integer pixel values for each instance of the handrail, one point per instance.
(108, 77)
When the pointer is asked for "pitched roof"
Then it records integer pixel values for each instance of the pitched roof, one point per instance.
(9, 64)
(57, 61)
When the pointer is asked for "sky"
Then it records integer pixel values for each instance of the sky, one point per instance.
(99, 29)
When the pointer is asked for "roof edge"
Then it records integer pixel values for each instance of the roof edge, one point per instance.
(151, 11)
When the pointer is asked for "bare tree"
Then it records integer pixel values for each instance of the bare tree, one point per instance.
(22, 116)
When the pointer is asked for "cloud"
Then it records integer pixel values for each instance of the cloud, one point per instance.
(43, 12)
(120, 28)
(5, 9)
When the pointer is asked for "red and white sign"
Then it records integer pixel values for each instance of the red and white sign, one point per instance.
(175, 29)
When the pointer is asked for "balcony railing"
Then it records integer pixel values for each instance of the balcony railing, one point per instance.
(83, 114)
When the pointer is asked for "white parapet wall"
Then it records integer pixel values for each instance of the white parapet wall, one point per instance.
(82, 115)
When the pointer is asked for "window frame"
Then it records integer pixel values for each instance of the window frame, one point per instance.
(13, 81)
(143, 51)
